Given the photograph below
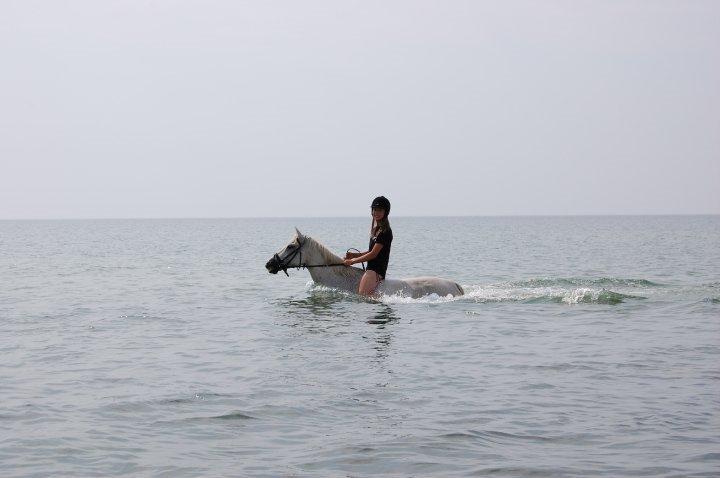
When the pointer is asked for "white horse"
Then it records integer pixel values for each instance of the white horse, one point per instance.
(327, 269)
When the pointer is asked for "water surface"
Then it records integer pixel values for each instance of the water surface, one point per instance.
(585, 346)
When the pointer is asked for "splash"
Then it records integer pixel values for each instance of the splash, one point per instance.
(428, 299)
(569, 291)
(587, 282)
(537, 295)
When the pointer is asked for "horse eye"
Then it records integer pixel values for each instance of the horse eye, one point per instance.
(292, 246)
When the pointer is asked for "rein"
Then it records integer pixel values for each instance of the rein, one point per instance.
(284, 265)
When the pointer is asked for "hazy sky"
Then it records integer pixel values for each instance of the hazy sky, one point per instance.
(312, 108)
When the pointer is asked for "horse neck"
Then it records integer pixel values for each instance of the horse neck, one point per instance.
(315, 253)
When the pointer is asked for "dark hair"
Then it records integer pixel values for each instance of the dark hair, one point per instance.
(381, 226)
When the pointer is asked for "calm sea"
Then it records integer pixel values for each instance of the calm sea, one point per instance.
(585, 346)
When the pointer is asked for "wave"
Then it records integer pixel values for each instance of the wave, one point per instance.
(531, 291)
(562, 290)
(586, 296)
(553, 290)
(231, 416)
(588, 282)
(538, 295)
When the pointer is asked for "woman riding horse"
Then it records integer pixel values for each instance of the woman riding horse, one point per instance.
(378, 253)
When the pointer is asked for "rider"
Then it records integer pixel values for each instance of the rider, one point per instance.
(378, 253)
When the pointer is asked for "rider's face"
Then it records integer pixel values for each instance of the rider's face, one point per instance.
(378, 213)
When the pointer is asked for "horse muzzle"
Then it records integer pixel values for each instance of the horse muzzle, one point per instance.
(275, 265)
(272, 266)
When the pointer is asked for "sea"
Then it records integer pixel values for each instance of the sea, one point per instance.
(584, 346)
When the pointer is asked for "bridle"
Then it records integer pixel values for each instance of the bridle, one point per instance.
(283, 265)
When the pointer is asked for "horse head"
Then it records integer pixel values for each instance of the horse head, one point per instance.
(287, 257)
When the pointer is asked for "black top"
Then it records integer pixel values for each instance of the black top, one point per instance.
(380, 263)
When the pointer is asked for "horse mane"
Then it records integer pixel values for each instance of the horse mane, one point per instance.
(326, 254)
(330, 258)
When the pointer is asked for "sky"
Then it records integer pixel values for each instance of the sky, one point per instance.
(205, 108)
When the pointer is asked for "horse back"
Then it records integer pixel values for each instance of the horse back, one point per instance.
(421, 286)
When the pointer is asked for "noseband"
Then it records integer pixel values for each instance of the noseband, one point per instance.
(284, 265)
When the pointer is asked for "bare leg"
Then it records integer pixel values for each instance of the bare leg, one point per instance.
(368, 283)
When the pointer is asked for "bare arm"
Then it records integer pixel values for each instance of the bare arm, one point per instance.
(372, 254)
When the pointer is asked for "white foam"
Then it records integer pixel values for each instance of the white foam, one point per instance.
(502, 292)
(507, 293)
(428, 299)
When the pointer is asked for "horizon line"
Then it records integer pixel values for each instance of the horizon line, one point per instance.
(136, 218)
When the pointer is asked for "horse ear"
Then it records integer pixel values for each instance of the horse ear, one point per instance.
(299, 234)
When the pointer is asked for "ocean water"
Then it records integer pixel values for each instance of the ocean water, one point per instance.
(585, 346)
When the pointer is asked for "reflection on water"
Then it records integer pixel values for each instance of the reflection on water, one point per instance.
(318, 303)
(326, 309)
(383, 334)
(325, 303)
(386, 314)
